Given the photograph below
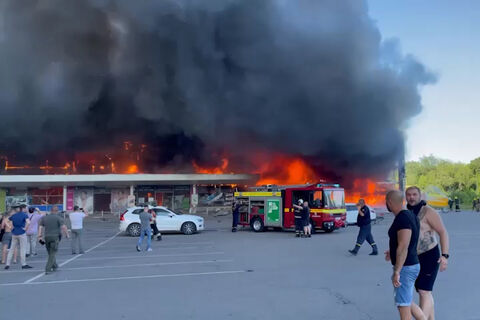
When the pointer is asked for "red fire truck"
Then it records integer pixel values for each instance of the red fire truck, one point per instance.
(272, 206)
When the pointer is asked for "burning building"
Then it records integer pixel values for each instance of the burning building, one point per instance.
(294, 91)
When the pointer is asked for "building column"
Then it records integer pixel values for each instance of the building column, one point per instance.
(131, 197)
(193, 199)
(64, 198)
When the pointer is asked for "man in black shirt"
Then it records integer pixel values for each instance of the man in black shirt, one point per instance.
(403, 235)
(307, 230)
(365, 232)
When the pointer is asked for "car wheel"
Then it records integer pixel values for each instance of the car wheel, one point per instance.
(189, 228)
(257, 225)
(134, 229)
(313, 226)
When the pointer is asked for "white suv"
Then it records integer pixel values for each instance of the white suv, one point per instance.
(352, 213)
(167, 221)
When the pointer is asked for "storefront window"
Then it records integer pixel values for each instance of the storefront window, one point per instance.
(46, 196)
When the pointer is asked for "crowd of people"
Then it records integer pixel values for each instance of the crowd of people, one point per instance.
(21, 230)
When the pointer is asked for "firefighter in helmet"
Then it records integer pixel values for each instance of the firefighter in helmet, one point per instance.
(298, 209)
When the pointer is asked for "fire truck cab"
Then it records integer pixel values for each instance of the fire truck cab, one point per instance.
(271, 206)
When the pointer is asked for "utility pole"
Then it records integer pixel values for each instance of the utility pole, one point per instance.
(401, 174)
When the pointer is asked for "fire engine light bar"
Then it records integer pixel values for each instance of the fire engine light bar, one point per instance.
(336, 185)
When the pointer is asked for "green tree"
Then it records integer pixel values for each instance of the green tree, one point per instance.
(456, 179)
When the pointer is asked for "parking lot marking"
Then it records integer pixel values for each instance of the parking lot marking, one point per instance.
(75, 257)
(118, 257)
(139, 256)
(164, 243)
(126, 278)
(166, 246)
(131, 265)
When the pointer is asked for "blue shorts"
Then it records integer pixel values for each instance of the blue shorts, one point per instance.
(403, 295)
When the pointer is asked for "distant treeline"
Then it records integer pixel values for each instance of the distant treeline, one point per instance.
(456, 179)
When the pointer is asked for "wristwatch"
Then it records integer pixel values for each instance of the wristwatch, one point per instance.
(445, 255)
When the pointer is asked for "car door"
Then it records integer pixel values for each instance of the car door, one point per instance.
(164, 220)
(352, 213)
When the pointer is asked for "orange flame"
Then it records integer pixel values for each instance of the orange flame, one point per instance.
(216, 170)
(133, 168)
(373, 192)
(283, 170)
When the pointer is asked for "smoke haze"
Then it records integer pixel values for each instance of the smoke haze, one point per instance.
(200, 80)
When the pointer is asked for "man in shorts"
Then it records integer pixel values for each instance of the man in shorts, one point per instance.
(403, 238)
(428, 251)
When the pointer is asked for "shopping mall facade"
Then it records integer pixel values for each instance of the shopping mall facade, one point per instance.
(113, 193)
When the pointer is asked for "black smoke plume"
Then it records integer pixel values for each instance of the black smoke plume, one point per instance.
(198, 80)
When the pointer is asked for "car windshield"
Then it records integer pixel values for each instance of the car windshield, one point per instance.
(334, 199)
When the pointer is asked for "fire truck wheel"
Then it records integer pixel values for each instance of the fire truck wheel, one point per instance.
(189, 228)
(257, 225)
(134, 229)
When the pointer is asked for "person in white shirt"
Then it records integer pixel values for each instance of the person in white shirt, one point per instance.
(76, 221)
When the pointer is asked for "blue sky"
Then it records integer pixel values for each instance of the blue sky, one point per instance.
(445, 36)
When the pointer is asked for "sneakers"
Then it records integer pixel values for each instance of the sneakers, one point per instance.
(149, 249)
(138, 248)
(27, 255)
(159, 237)
(7, 267)
(26, 267)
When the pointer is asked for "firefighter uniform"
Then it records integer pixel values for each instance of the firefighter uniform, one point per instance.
(235, 216)
(450, 204)
(457, 204)
(298, 220)
(365, 232)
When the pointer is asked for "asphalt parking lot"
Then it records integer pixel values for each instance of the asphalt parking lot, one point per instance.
(220, 275)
